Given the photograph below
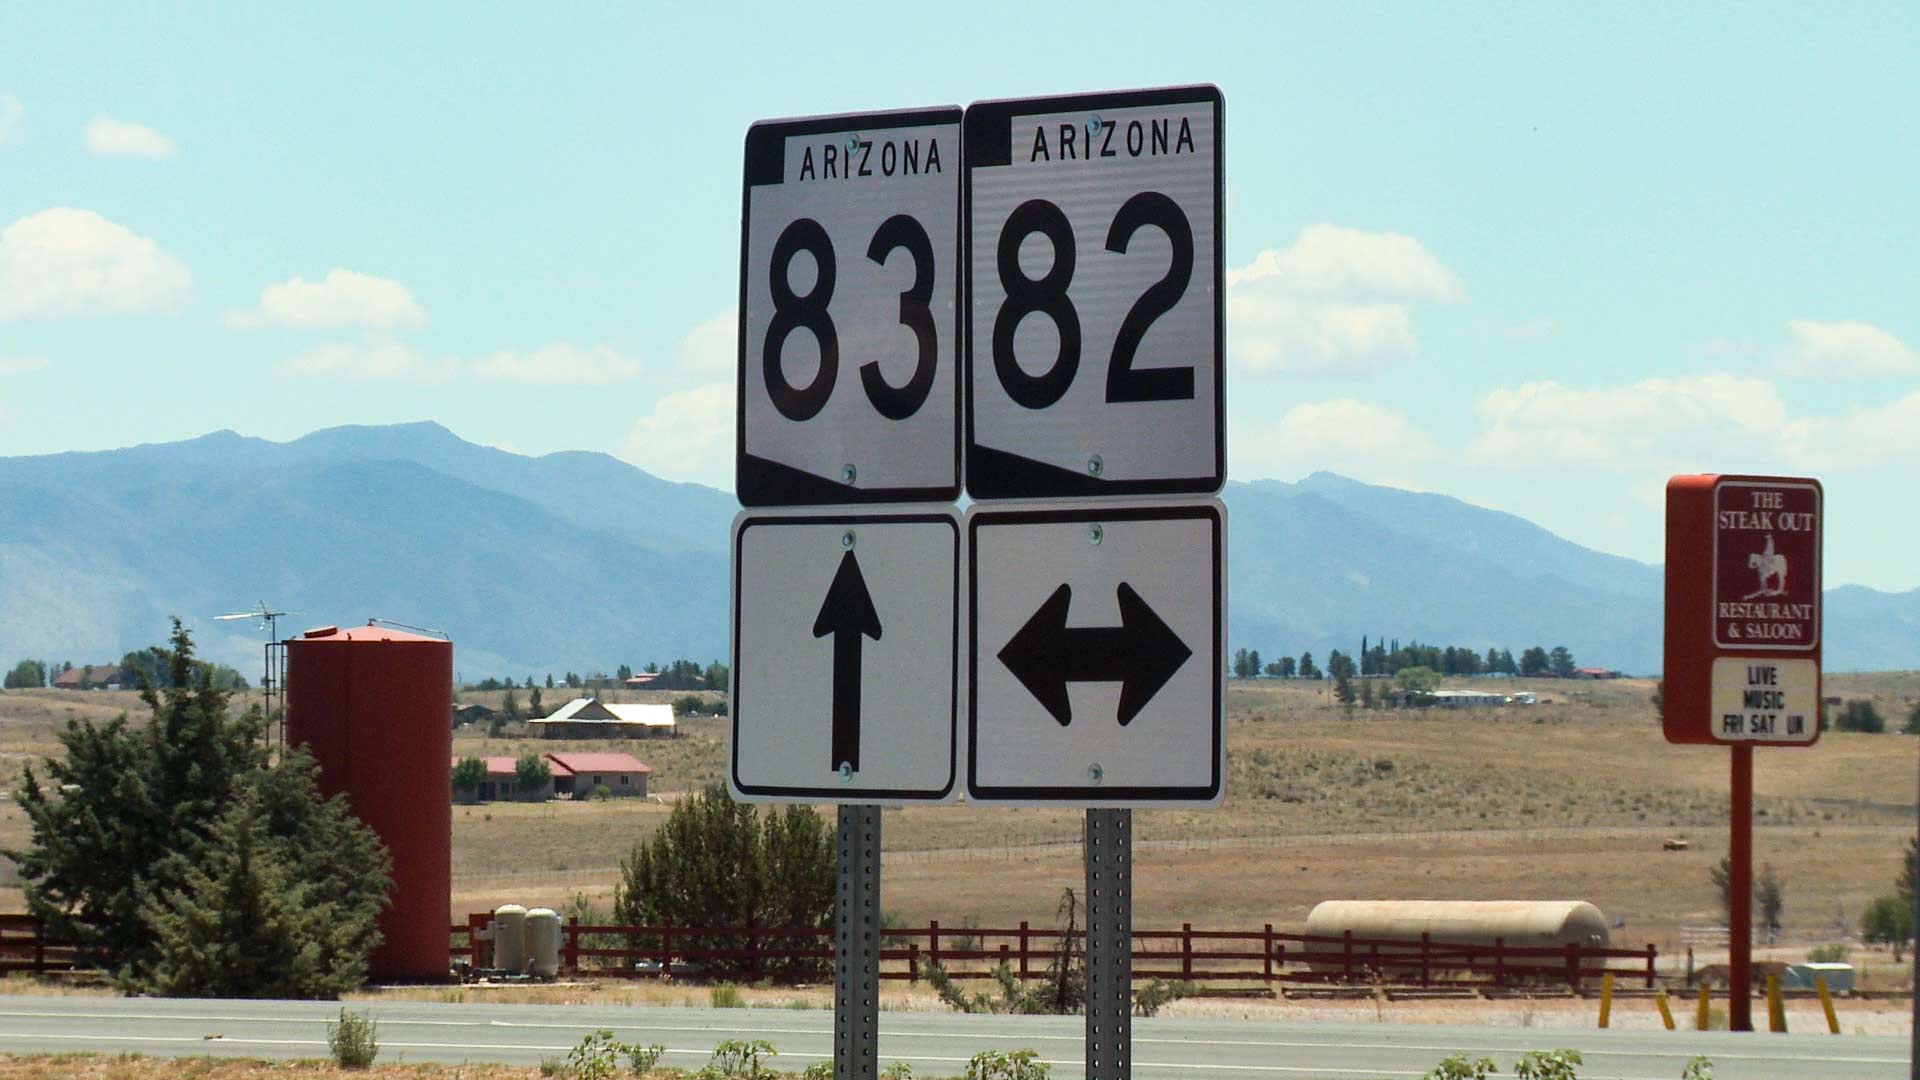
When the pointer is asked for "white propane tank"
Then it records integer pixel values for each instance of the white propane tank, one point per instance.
(543, 943)
(510, 938)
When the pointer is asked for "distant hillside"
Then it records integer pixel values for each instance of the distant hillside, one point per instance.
(575, 561)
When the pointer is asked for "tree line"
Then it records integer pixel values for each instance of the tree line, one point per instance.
(1383, 659)
(678, 675)
(151, 665)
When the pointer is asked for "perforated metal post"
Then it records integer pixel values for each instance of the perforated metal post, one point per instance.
(1109, 945)
(856, 946)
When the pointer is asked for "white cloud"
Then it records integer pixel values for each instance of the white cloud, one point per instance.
(1531, 330)
(1342, 434)
(560, 363)
(1704, 418)
(376, 361)
(712, 348)
(20, 365)
(1863, 437)
(65, 261)
(1331, 259)
(10, 113)
(1333, 297)
(107, 137)
(1829, 349)
(342, 298)
(688, 436)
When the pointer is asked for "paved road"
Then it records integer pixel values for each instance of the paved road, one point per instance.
(936, 1044)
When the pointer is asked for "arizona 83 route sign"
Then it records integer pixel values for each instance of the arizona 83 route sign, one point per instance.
(1096, 675)
(845, 656)
(849, 310)
(1094, 241)
(1743, 610)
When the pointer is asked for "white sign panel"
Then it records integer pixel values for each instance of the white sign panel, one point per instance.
(1764, 700)
(849, 310)
(1095, 295)
(1096, 674)
(845, 657)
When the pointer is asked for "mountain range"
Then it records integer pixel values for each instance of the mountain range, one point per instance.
(576, 561)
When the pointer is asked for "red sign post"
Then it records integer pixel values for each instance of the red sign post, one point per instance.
(1742, 658)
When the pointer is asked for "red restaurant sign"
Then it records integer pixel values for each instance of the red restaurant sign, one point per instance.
(1742, 610)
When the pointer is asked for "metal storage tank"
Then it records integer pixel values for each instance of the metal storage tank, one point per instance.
(1519, 923)
(510, 939)
(543, 943)
(370, 703)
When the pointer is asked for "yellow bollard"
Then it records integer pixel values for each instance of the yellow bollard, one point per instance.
(1666, 1012)
(1776, 1008)
(1606, 998)
(1700, 1010)
(1826, 1002)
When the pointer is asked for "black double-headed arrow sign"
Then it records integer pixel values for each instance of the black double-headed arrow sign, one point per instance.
(847, 614)
(1140, 654)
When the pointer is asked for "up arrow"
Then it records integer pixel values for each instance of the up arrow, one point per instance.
(847, 613)
(1140, 654)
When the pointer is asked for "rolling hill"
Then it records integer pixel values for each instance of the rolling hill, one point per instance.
(578, 561)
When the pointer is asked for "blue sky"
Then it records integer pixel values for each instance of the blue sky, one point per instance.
(1537, 258)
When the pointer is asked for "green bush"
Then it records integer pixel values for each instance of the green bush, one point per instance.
(819, 1070)
(352, 1041)
(595, 1057)
(1460, 1067)
(1151, 998)
(898, 1070)
(1835, 953)
(1699, 1067)
(739, 1059)
(1547, 1065)
(642, 1059)
(1861, 716)
(1004, 1065)
(726, 996)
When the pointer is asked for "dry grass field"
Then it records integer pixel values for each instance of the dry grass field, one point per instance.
(1571, 798)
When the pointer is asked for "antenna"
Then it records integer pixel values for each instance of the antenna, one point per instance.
(276, 661)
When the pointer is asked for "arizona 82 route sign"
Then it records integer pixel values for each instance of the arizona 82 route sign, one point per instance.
(1743, 610)
(845, 656)
(849, 310)
(1094, 241)
(1095, 659)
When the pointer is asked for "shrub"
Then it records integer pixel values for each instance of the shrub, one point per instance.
(594, 1057)
(898, 1070)
(1547, 1065)
(642, 1059)
(352, 1041)
(469, 774)
(600, 793)
(553, 1066)
(1699, 1067)
(726, 996)
(1888, 921)
(1861, 716)
(1460, 1067)
(739, 1059)
(1004, 1065)
(819, 1070)
(1151, 998)
(1835, 953)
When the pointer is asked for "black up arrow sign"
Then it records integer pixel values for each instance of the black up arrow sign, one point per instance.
(847, 613)
(1140, 654)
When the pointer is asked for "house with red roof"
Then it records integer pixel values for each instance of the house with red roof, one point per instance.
(503, 784)
(581, 773)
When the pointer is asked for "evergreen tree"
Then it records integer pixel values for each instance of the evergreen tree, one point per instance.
(1342, 686)
(713, 863)
(1533, 661)
(253, 917)
(534, 711)
(531, 775)
(129, 816)
(1366, 693)
(469, 774)
(27, 674)
(624, 673)
(1561, 661)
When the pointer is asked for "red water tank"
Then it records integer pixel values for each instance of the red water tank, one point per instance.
(372, 705)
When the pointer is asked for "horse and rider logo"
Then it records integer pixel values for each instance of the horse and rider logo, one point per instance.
(1771, 566)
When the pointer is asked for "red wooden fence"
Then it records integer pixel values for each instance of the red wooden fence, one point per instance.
(753, 953)
(24, 948)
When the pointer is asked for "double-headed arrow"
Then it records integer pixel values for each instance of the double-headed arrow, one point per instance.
(847, 614)
(1140, 654)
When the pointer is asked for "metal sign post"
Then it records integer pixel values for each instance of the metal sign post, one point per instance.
(1740, 894)
(856, 946)
(1109, 944)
